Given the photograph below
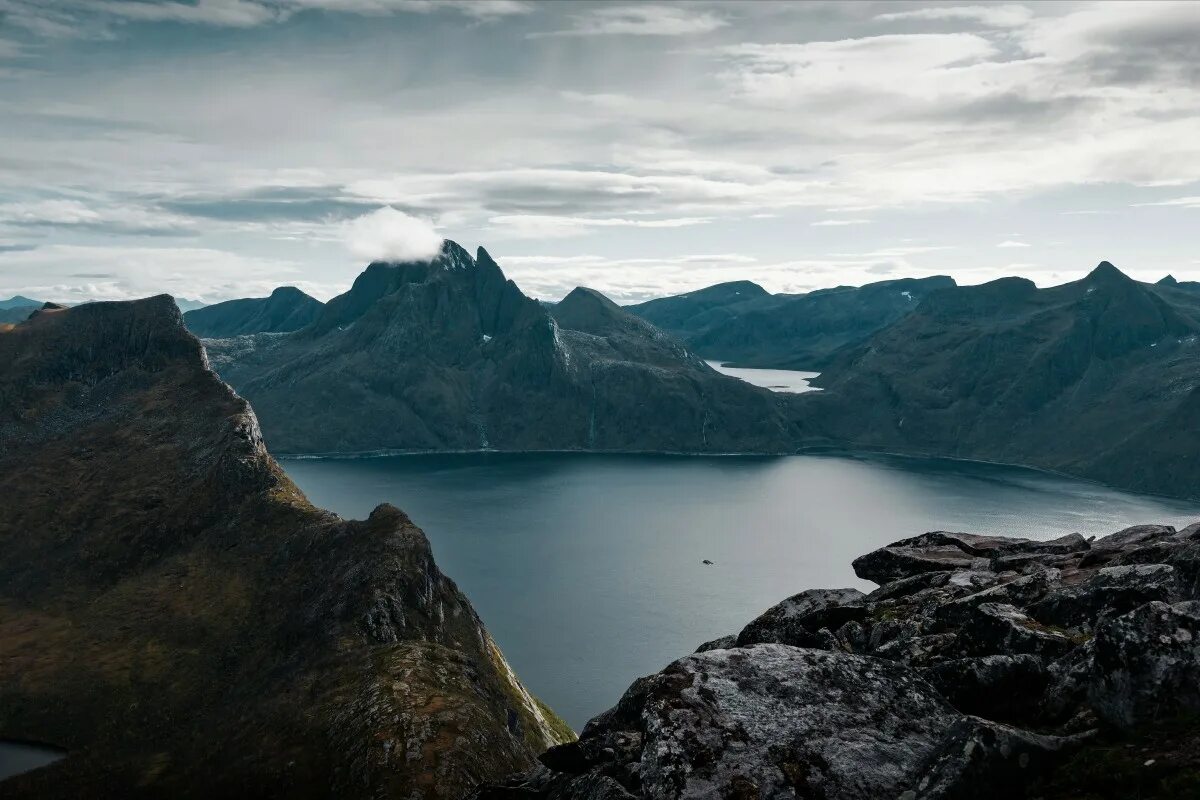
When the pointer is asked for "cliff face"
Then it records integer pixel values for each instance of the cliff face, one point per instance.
(741, 323)
(1094, 378)
(287, 309)
(983, 667)
(448, 354)
(176, 615)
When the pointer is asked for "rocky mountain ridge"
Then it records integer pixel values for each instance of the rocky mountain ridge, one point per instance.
(451, 355)
(740, 322)
(982, 667)
(1094, 378)
(286, 309)
(178, 617)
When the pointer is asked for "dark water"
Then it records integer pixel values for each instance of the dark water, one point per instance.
(587, 568)
(18, 757)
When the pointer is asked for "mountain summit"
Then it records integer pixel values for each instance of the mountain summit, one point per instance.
(450, 354)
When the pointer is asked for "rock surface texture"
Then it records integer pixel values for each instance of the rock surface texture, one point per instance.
(450, 355)
(178, 617)
(982, 667)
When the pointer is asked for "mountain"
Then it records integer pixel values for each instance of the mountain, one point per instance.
(287, 309)
(186, 305)
(1096, 378)
(17, 301)
(16, 314)
(982, 667)
(743, 324)
(450, 355)
(178, 617)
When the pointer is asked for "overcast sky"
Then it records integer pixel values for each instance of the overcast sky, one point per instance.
(219, 148)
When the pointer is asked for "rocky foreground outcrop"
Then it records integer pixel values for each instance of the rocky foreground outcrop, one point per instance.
(178, 617)
(983, 667)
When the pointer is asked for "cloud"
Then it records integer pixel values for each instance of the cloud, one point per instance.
(541, 226)
(1013, 243)
(832, 223)
(1182, 202)
(641, 20)
(94, 18)
(996, 16)
(123, 272)
(103, 216)
(391, 235)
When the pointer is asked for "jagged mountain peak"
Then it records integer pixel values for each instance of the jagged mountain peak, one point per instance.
(1106, 272)
(1167, 280)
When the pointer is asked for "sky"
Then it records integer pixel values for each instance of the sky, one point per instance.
(215, 149)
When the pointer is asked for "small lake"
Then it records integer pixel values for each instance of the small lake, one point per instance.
(587, 568)
(777, 380)
(18, 757)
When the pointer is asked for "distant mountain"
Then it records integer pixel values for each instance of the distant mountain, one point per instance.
(1098, 378)
(16, 313)
(287, 309)
(450, 355)
(742, 323)
(186, 305)
(17, 301)
(185, 624)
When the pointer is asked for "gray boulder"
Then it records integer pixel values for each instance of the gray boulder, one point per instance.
(1147, 664)
(798, 619)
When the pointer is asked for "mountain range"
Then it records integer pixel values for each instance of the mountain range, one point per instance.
(179, 618)
(741, 323)
(448, 354)
(1098, 378)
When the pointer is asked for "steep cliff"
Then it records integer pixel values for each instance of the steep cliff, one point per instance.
(178, 617)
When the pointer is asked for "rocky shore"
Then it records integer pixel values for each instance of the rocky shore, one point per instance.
(982, 667)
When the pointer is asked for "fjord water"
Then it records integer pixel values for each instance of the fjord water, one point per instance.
(777, 380)
(588, 568)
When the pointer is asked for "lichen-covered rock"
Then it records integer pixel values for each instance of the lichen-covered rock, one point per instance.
(777, 720)
(1147, 664)
(798, 619)
(981, 760)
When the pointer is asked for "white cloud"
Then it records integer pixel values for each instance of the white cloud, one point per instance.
(547, 226)
(391, 235)
(996, 16)
(1183, 202)
(641, 20)
(1012, 243)
(833, 223)
(73, 273)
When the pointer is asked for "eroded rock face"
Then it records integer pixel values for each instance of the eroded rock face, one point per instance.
(987, 661)
(176, 614)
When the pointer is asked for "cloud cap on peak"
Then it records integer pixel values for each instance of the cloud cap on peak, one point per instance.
(387, 234)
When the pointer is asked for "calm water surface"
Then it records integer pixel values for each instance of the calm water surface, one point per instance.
(777, 380)
(18, 757)
(587, 568)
